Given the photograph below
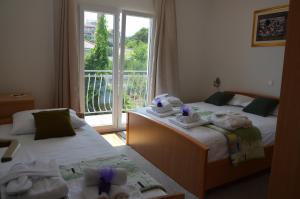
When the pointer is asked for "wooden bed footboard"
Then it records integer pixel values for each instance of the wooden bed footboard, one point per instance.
(183, 158)
(179, 156)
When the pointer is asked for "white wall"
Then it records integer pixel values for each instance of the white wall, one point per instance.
(215, 40)
(26, 48)
(27, 44)
(191, 20)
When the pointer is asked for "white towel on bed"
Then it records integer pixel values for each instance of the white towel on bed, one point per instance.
(165, 107)
(174, 101)
(45, 178)
(230, 120)
(188, 125)
(191, 118)
(91, 192)
(172, 112)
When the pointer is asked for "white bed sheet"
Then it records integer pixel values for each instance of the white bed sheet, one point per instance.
(216, 142)
(86, 145)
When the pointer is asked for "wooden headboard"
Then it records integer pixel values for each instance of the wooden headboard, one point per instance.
(10, 104)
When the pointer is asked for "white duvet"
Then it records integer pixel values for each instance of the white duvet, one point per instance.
(216, 141)
(86, 145)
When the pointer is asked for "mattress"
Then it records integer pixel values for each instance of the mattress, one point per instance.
(86, 145)
(216, 141)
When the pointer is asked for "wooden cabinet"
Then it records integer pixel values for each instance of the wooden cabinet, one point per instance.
(11, 103)
(285, 174)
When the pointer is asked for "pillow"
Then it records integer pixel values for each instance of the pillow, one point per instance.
(219, 98)
(23, 122)
(53, 124)
(261, 106)
(240, 100)
(275, 112)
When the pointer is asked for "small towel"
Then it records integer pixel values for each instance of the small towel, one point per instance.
(118, 192)
(91, 176)
(188, 125)
(164, 107)
(230, 120)
(174, 101)
(161, 115)
(191, 118)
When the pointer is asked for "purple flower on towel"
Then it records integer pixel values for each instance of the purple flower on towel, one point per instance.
(107, 174)
(185, 110)
(158, 102)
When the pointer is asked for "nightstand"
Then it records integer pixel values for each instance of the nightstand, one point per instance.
(12, 103)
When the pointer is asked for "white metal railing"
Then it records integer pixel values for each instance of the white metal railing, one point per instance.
(99, 90)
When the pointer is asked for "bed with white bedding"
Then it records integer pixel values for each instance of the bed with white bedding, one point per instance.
(215, 141)
(86, 145)
(200, 153)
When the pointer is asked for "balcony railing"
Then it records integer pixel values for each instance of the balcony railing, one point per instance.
(99, 91)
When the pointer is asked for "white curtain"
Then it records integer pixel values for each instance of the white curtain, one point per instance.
(66, 55)
(164, 74)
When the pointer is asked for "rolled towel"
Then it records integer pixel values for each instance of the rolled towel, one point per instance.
(103, 196)
(118, 192)
(91, 176)
(192, 117)
(18, 186)
(174, 101)
(162, 106)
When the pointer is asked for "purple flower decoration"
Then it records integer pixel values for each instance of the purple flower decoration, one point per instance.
(107, 174)
(185, 110)
(158, 102)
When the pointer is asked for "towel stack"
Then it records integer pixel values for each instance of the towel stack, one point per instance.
(110, 182)
(187, 115)
(230, 120)
(33, 181)
(162, 106)
(174, 101)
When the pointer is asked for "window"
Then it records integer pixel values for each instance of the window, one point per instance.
(115, 55)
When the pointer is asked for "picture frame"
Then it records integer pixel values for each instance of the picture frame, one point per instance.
(270, 26)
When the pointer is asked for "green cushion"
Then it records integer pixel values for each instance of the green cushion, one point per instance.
(219, 98)
(52, 124)
(261, 106)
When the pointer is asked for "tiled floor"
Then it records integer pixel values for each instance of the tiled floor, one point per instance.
(114, 139)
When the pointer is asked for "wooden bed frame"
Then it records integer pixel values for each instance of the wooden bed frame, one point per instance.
(184, 158)
(22, 105)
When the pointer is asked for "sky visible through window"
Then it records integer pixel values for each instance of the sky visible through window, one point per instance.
(139, 22)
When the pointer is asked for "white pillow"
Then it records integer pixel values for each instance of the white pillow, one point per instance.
(240, 100)
(23, 122)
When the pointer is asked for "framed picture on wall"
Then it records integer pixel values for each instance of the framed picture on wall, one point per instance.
(270, 26)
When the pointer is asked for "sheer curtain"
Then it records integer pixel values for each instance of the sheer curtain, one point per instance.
(164, 74)
(66, 55)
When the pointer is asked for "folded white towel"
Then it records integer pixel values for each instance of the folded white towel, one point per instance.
(165, 107)
(118, 192)
(35, 168)
(188, 125)
(230, 120)
(169, 113)
(174, 101)
(18, 185)
(45, 184)
(91, 176)
(192, 117)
